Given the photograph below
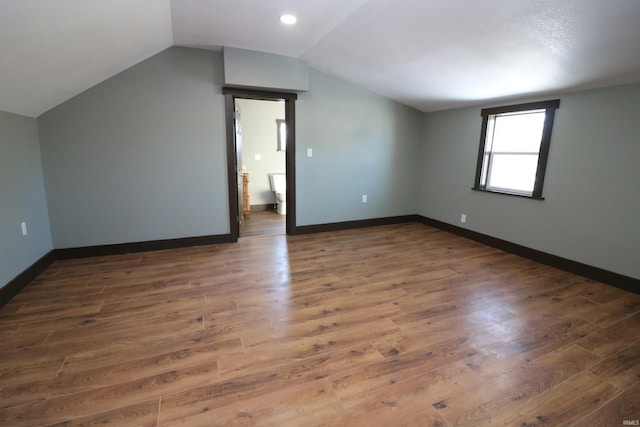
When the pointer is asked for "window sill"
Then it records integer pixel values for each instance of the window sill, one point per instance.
(507, 193)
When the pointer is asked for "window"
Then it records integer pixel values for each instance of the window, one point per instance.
(282, 135)
(514, 144)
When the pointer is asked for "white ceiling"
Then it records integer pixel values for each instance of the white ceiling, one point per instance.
(430, 54)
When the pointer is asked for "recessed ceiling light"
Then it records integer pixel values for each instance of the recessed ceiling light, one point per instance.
(288, 19)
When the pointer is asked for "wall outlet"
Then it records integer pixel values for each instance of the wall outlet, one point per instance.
(258, 157)
(364, 198)
(24, 228)
(463, 218)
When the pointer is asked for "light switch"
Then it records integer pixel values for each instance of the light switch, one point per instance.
(309, 152)
(258, 157)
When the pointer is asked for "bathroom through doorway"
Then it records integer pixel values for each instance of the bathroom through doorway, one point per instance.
(260, 147)
(263, 165)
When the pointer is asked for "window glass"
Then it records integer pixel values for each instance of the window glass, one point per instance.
(518, 132)
(515, 172)
(281, 126)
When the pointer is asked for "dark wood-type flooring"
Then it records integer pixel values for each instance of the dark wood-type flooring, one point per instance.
(263, 223)
(386, 326)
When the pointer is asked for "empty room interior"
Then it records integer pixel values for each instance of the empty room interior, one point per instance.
(330, 213)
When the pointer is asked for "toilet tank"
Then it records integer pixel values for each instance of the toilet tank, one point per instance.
(278, 182)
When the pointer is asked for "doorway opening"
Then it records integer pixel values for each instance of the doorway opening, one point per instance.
(260, 156)
(261, 141)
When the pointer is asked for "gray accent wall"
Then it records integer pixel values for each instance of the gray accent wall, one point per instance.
(22, 197)
(591, 211)
(140, 156)
(362, 143)
(252, 69)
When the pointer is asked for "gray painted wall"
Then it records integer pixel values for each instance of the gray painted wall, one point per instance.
(362, 143)
(249, 68)
(22, 197)
(591, 211)
(140, 156)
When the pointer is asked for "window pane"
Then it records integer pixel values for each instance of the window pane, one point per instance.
(485, 168)
(518, 133)
(282, 134)
(513, 171)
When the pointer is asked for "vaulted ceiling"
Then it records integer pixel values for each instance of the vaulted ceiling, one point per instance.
(429, 54)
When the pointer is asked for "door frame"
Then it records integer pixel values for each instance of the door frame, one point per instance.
(231, 94)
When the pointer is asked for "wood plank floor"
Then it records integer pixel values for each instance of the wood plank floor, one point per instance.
(263, 223)
(401, 325)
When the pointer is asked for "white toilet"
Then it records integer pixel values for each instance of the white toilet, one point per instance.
(278, 183)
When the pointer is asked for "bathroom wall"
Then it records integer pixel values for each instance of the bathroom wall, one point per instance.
(22, 197)
(590, 211)
(259, 137)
